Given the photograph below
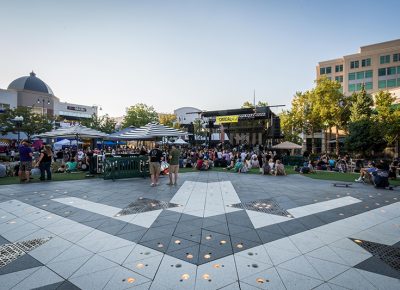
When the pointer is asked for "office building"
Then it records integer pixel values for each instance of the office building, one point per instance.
(30, 91)
(376, 66)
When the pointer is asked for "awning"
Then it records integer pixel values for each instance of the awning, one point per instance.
(287, 145)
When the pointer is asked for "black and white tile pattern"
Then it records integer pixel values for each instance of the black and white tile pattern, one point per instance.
(188, 237)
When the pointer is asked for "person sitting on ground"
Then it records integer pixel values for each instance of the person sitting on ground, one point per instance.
(305, 169)
(231, 164)
(279, 168)
(206, 164)
(61, 169)
(271, 165)
(254, 162)
(331, 163)
(71, 166)
(265, 169)
(238, 165)
(380, 177)
(366, 173)
(245, 166)
(199, 163)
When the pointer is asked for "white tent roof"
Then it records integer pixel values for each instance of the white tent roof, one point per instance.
(73, 132)
(287, 145)
(151, 131)
(180, 141)
(66, 142)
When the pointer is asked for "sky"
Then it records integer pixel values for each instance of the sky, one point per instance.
(209, 54)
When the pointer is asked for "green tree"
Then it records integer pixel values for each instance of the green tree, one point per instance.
(248, 104)
(361, 107)
(103, 123)
(330, 104)
(198, 128)
(365, 137)
(167, 119)
(288, 127)
(306, 115)
(107, 124)
(32, 124)
(139, 115)
(387, 115)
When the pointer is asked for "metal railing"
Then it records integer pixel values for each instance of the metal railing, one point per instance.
(293, 160)
(125, 167)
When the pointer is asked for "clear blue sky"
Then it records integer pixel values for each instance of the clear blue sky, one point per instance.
(169, 54)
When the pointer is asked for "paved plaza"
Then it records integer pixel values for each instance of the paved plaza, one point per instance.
(213, 231)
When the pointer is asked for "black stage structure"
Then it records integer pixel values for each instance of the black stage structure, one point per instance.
(254, 126)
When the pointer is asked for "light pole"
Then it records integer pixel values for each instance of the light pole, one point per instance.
(18, 123)
(43, 101)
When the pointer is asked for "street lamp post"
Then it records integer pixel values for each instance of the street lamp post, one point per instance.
(43, 101)
(18, 123)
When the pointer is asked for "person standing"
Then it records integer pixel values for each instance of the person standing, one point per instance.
(25, 157)
(44, 162)
(173, 165)
(12, 155)
(155, 156)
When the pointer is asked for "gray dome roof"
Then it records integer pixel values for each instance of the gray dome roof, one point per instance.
(31, 83)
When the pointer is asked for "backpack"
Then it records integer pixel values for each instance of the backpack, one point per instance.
(380, 178)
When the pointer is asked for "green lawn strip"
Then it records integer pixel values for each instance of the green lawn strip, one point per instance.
(55, 177)
(323, 175)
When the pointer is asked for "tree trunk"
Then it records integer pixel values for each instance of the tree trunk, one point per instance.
(337, 141)
(326, 140)
(330, 138)
(312, 141)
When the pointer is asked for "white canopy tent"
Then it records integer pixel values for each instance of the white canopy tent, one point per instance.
(65, 142)
(76, 131)
(287, 145)
(150, 132)
(180, 141)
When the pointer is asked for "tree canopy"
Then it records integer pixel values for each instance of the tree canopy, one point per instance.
(248, 104)
(139, 115)
(101, 123)
(31, 125)
(167, 119)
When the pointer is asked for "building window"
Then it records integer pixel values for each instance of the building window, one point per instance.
(328, 69)
(352, 87)
(339, 68)
(366, 62)
(352, 76)
(391, 70)
(359, 86)
(368, 74)
(382, 84)
(382, 72)
(391, 83)
(398, 82)
(360, 75)
(354, 64)
(368, 86)
(321, 70)
(385, 59)
(396, 57)
(339, 79)
(398, 70)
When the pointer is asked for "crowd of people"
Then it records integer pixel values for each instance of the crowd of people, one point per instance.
(167, 160)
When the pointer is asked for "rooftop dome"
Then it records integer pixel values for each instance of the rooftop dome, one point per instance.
(31, 83)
